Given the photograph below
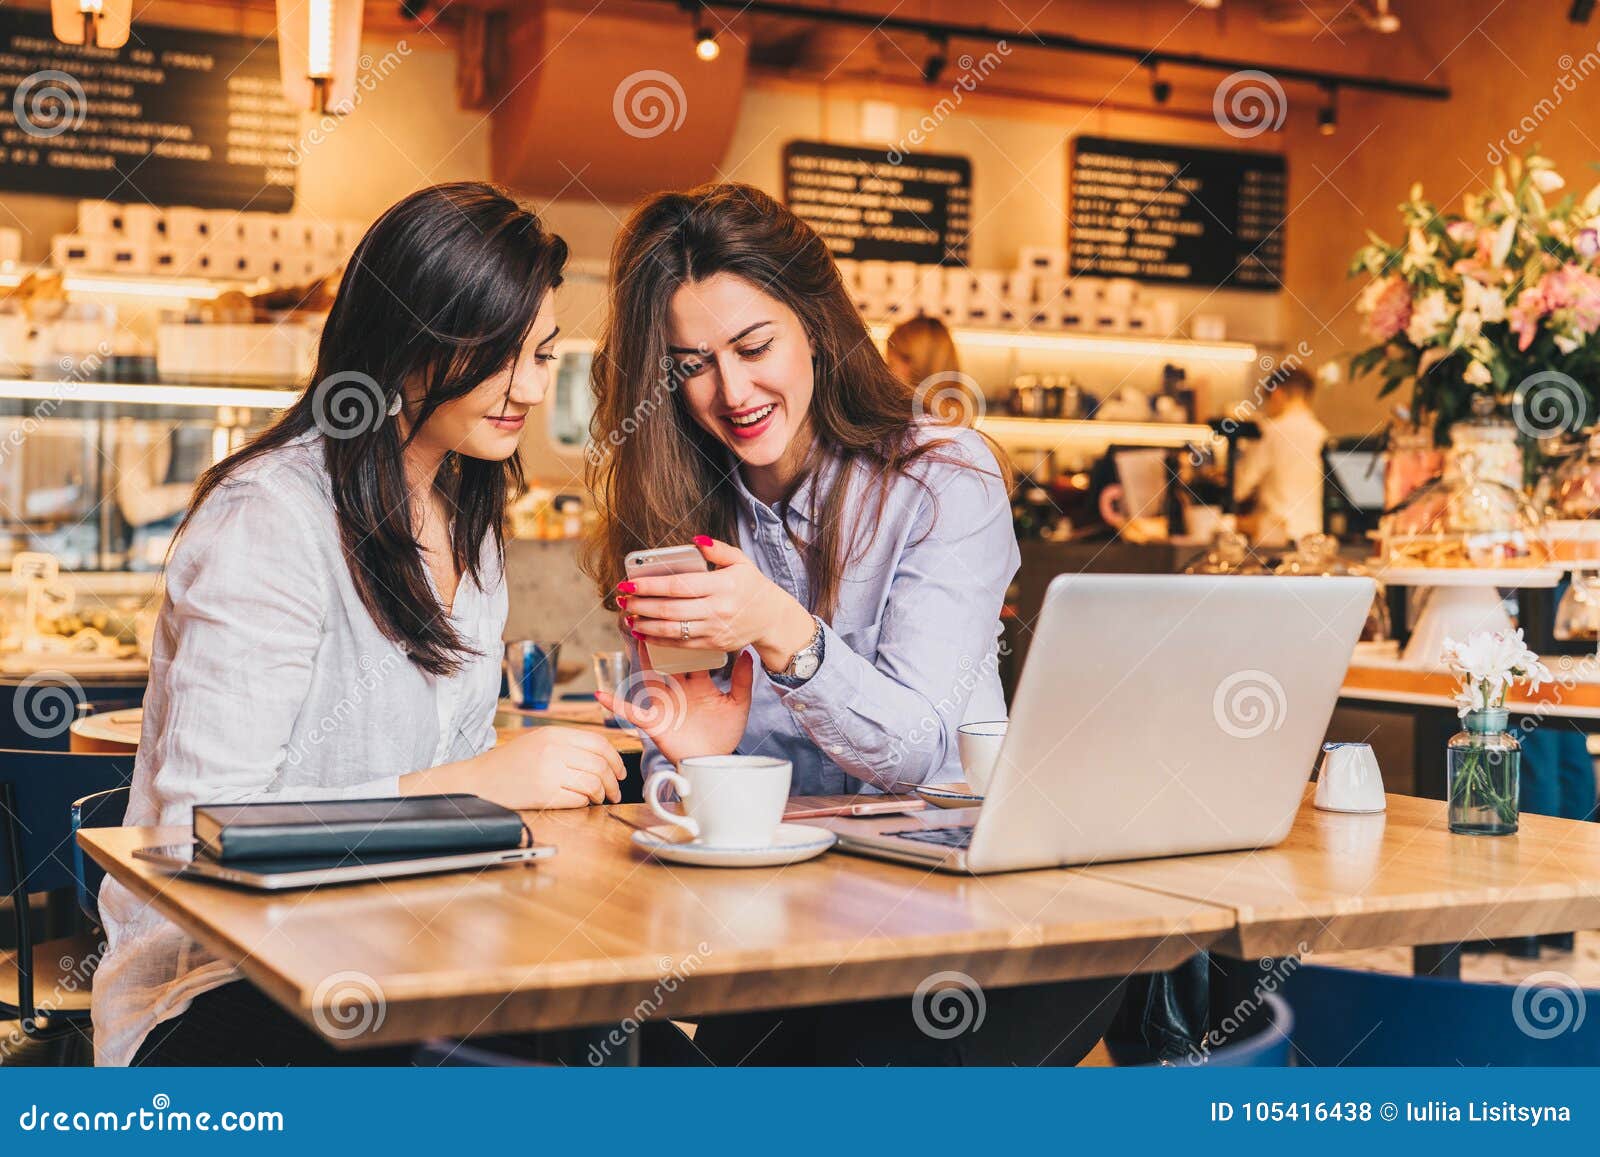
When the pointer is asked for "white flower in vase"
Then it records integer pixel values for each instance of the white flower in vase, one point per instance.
(1487, 665)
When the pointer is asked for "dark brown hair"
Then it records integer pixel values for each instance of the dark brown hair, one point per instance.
(439, 296)
(658, 477)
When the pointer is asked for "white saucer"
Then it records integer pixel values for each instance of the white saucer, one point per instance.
(791, 843)
(948, 797)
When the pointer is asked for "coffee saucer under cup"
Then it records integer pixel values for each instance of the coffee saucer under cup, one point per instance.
(790, 844)
(944, 795)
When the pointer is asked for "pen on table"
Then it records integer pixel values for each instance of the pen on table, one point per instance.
(875, 808)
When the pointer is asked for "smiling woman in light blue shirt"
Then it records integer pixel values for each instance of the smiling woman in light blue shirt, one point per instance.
(861, 550)
(860, 553)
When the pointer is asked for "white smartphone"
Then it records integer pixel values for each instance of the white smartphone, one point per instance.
(670, 660)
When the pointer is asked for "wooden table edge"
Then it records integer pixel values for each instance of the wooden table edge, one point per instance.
(623, 992)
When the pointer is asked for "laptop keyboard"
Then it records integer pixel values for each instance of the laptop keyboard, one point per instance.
(956, 837)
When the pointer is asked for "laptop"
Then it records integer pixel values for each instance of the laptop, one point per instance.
(286, 874)
(1157, 715)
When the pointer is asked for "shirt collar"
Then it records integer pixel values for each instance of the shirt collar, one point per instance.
(799, 502)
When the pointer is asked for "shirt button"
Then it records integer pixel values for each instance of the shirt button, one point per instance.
(799, 707)
(833, 749)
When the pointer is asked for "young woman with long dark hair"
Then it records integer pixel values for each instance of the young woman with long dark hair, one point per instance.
(861, 551)
(335, 600)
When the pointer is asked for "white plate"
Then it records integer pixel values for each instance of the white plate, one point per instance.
(791, 843)
(947, 797)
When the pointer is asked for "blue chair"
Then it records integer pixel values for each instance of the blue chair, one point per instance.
(103, 809)
(1264, 1046)
(1347, 1017)
(46, 986)
(445, 1053)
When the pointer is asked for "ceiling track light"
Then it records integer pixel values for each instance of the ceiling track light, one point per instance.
(938, 57)
(1160, 90)
(96, 23)
(1066, 43)
(319, 50)
(706, 47)
(1383, 20)
(1328, 114)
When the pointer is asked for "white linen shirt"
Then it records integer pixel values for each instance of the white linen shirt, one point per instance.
(270, 680)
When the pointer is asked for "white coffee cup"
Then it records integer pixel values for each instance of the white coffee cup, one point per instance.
(729, 801)
(1350, 780)
(979, 745)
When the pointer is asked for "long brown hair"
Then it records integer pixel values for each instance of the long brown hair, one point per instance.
(439, 296)
(652, 469)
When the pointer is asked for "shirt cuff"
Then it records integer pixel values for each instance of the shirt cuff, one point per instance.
(814, 703)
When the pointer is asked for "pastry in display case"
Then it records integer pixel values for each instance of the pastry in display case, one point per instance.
(1574, 524)
(1464, 520)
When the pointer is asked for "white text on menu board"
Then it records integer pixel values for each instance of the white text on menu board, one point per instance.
(1127, 214)
(262, 128)
(846, 199)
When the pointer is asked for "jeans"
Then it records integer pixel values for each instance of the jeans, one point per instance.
(1557, 773)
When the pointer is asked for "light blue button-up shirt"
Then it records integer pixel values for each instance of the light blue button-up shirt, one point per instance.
(912, 651)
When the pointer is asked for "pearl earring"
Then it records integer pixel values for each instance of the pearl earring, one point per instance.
(394, 406)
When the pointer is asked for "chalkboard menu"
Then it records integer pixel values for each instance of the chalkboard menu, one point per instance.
(1169, 213)
(173, 117)
(871, 209)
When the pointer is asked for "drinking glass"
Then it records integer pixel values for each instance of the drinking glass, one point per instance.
(611, 671)
(531, 672)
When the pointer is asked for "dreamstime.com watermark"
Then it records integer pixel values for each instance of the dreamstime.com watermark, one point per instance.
(372, 73)
(933, 724)
(1276, 971)
(973, 73)
(1574, 71)
(667, 384)
(373, 673)
(947, 1004)
(1248, 103)
(74, 371)
(159, 1117)
(73, 975)
(48, 103)
(1249, 703)
(675, 972)
(648, 103)
(1273, 370)
(1547, 1004)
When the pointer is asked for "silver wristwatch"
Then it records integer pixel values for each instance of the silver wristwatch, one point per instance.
(803, 663)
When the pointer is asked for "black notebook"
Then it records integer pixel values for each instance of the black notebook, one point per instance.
(423, 824)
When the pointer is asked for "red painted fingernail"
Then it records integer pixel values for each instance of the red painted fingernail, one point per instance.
(626, 588)
(630, 620)
(637, 635)
(622, 601)
(702, 540)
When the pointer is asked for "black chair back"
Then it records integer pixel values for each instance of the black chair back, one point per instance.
(37, 712)
(37, 792)
(103, 809)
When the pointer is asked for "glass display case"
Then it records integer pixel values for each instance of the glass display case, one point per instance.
(98, 474)
(1464, 519)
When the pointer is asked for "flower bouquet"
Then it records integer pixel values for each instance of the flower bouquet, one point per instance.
(1502, 298)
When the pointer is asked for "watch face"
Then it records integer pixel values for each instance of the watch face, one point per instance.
(805, 665)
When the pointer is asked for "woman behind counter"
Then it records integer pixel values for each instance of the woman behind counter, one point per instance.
(862, 553)
(335, 602)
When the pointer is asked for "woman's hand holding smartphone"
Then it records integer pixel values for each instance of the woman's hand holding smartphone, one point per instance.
(676, 607)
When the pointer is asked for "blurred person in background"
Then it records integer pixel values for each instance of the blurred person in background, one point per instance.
(1283, 472)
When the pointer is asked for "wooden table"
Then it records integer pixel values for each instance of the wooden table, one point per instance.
(112, 731)
(118, 731)
(1397, 878)
(599, 931)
